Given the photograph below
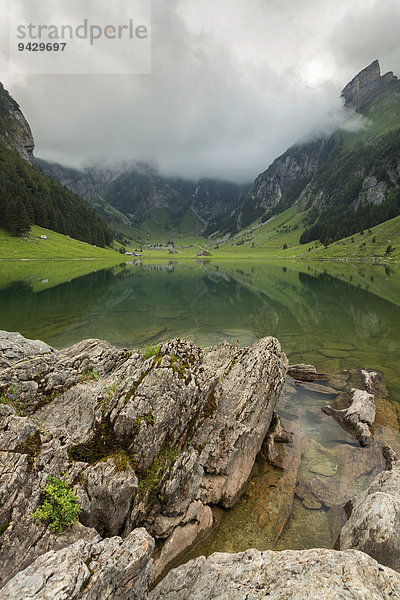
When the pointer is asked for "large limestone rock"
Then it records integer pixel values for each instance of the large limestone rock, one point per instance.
(358, 414)
(143, 441)
(108, 569)
(358, 417)
(14, 347)
(373, 526)
(302, 372)
(316, 574)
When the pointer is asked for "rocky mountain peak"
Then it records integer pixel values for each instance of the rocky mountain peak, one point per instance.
(15, 132)
(369, 86)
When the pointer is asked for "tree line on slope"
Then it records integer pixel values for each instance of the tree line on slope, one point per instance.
(28, 197)
(342, 213)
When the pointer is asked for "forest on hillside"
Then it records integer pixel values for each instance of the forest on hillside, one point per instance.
(28, 197)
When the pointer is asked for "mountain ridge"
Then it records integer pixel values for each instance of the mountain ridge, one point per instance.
(143, 196)
(304, 175)
(369, 86)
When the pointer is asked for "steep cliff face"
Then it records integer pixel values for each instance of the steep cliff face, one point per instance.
(132, 194)
(283, 181)
(88, 183)
(15, 132)
(213, 197)
(368, 87)
(352, 179)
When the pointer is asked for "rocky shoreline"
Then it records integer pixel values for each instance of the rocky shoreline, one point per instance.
(150, 443)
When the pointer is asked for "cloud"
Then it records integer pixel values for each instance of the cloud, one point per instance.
(233, 84)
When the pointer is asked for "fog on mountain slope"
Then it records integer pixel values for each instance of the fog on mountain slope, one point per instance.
(350, 180)
(343, 181)
(233, 84)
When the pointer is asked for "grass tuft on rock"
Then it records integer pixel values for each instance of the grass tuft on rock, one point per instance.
(150, 351)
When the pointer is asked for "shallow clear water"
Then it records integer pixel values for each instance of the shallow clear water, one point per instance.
(334, 316)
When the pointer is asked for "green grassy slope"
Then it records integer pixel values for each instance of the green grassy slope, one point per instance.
(371, 245)
(268, 239)
(380, 119)
(161, 227)
(286, 228)
(56, 246)
(376, 141)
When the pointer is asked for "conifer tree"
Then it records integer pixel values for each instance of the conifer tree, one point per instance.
(17, 218)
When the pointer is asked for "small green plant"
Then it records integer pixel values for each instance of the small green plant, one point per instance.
(108, 395)
(121, 461)
(59, 507)
(89, 375)
(389, 249)
(11, 399)
(7, 399)
(150, 351)
(151, 479)
(147, 418)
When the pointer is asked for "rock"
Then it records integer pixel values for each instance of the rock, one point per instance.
(358, 417)
(326, 468)
(16, 133)
(311, 503)
(54, 575)
(105, 496)
(142, 441)
(317, 574)
(390, 457)
(336, 518)
(299, 161)
(18, 433)
(108, 569)
(372, 381)
(14, 347)
(304, 372)
(197, 523)
(318, 388)
(373, 191)
(263, 513)
(121, 569)
(329, 491)
(373, 526)
(331, 477)
(368, 86)
(272, 444)
(26, 540)
(13, 476)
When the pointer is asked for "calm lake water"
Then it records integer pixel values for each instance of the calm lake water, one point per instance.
(331, 315)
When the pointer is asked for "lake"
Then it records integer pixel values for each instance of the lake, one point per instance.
(333, 315)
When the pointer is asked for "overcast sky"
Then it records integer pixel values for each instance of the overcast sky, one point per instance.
(233, 84)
